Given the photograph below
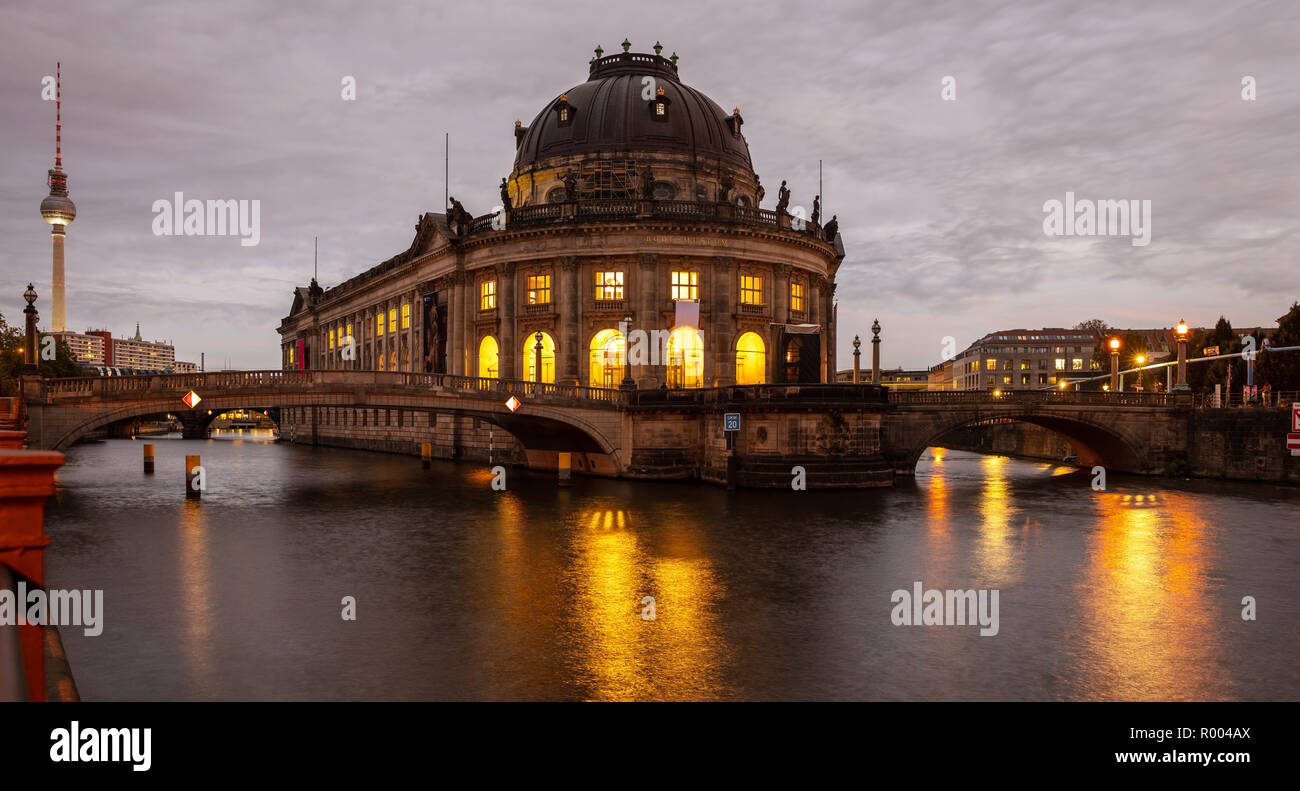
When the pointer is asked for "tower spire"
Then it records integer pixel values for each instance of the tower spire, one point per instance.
(58, 115)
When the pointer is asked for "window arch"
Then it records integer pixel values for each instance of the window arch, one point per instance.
(608, 356)
(751, 360)
(556, 195)
(488, 358)
(548, 358)
(685, 358)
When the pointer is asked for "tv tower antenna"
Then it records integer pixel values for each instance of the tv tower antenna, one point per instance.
(58, 210)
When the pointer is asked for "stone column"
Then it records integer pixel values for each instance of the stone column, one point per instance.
(507, 341)
(814, 301)
(719, 348)
(645, 316)
(832, 372)
(456, 323)
(568, 301)
(468, 314)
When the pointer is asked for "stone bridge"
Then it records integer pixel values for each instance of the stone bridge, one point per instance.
(843, 435)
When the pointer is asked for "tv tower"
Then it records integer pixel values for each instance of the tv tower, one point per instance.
(58, 210)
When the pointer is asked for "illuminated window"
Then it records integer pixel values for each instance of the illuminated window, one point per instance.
(392, 319)
(991, 364)
(488, 357)
(751, 290)
(487, 291)
(1024, 366)
(564, 114)
(1006, 380)
(686, 285)
(607, 356)
(539, 289)
(660, 109)
(1024, 379)
(548, 358)
(1093, 365)
(751, 360)
(1076, 364)
(1051, 379)
(291, 354)
(332, 334)
(609, 285)
(796, 297)
(406, 316)
(1006, 364)
(379, 329)
(381, 361)
(1042, 379)
(685, 358)
(1060, 363)
(991, 379)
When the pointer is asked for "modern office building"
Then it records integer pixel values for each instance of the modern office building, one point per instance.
(1023, 359)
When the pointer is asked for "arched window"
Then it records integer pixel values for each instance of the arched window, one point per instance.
(751, 360)
(556, 195)
(685, 358)
(487, 358)
(664, 190)
(548, 358)
(608, 355)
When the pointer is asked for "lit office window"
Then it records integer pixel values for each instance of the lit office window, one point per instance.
(487, 291)
(686, 285)
(539, 289)
(609, 285)
(1060, 363)
(1076, 364)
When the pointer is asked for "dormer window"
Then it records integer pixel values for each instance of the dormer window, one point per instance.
(659, 105)
(734, 121)
(564, 111)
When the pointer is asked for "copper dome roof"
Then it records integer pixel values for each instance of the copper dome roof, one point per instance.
(609, 114)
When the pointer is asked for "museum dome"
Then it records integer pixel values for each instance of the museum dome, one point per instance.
(633, 102)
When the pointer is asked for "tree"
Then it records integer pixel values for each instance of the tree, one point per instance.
(1096, 325)
(1281, 371)
(12, 344)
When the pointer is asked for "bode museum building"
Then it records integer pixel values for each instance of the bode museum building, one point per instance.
(632, 213)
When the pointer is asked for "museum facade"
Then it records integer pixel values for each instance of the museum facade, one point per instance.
(632, 212)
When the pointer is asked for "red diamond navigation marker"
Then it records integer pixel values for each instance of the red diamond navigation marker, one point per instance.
(514, 403)
(191, 399)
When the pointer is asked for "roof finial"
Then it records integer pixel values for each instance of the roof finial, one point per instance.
(674, 59)
(600, 51)
(658, 47)
(626, 45)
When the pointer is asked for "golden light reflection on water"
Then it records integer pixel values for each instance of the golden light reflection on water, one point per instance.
(995, 549)
(196, 589)
(619, 560)
(1149, 625)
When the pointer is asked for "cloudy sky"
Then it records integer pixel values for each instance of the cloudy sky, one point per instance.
(940, 202)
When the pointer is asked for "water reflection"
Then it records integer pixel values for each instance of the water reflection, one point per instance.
(537, 592)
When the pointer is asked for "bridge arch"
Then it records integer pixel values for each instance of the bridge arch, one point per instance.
(1095, 443)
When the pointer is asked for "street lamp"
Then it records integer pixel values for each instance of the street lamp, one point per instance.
(628, 382)
(875, 352)
(537, 370)
(29, 347)
(1114, 365)
(857, 359)
(1140, 360)
(1182, 357)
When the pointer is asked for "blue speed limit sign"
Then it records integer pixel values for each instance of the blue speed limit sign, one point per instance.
(731, 421)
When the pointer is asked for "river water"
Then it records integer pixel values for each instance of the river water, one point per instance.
(1133, 593)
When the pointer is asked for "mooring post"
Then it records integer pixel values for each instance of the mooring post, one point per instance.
(193, 468)
(565, 468)
(148, 458)
(426, 452)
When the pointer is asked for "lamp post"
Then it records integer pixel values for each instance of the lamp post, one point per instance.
(1182, 357)
(1141, 359)
(628, 382)
(875, 352)
(29, 347)
(1114, 365)
(537, 349)
(857, 359)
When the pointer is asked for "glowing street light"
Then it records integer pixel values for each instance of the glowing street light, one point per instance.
(1182, 357)
(1114, 365)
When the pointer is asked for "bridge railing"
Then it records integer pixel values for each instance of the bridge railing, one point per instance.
(1084, 397)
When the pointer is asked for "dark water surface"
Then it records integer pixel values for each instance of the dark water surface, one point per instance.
(536, 593)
